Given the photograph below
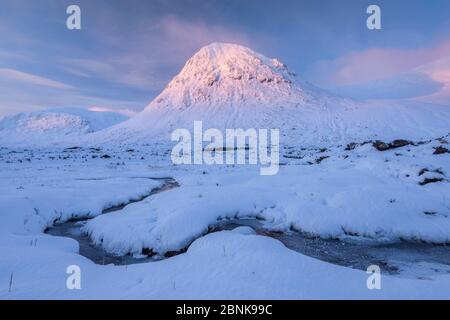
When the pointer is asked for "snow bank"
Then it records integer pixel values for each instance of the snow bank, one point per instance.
(370, 194)
(171, 220)
(31, 206)
(224, 265)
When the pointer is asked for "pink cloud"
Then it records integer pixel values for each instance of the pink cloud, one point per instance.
(366, 70)
(439, 71)
(375, 64)
(155, 53)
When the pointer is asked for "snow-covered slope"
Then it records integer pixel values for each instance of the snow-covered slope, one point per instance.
(230, 86)
(53, 125)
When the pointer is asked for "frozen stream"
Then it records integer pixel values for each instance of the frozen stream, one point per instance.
(72, 229)
(407, 259)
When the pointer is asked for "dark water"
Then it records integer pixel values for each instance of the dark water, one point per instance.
(408, 259)
(72, 229)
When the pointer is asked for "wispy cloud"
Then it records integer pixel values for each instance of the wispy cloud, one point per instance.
(20, 91)
(15, 99)
(24, 77)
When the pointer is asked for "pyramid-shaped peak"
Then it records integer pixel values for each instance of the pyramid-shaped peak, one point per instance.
(223, 56)
(225, 75)
(222, 63)
(229, 86)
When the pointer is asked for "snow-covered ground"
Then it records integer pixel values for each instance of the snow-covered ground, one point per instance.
(354, 193)
(343, 176)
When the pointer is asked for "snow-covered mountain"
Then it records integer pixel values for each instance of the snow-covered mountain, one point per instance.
(226, 86)
(53, 125)
(231, 86)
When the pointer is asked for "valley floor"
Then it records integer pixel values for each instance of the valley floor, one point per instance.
(351, 195)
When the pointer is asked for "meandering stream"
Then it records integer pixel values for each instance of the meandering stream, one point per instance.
(72, 229)
(408, 259)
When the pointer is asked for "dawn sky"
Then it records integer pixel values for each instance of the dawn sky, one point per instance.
(127, 51)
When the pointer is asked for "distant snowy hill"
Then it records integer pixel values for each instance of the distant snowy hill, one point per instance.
(53, 125)
(231, 86)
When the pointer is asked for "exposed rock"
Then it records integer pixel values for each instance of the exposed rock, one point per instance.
(430, 180)
(72, 148)
(351, 146)
(319, 160)
(292, 157)
(398, 143)
(424, 170)
(170, 254)
(441, 150)
(380, 145)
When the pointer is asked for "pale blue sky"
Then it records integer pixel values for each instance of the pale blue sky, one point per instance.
(128, 50)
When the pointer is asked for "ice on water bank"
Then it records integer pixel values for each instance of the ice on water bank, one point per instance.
(370, 194)
(30, 204)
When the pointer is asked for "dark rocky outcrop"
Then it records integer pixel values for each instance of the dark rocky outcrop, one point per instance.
(441, 150)
(398, 143)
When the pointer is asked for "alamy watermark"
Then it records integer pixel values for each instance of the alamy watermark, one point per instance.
(73, 22)
(236, 146)
(374, 280)
(374, 20)
(73, 281)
